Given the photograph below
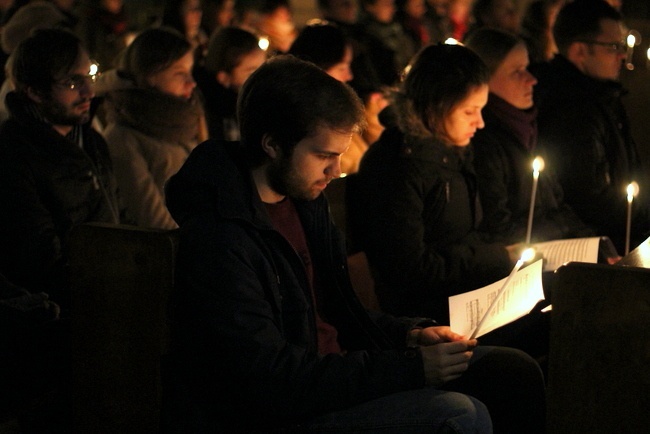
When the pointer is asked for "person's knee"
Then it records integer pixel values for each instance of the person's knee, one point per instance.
(469, 415)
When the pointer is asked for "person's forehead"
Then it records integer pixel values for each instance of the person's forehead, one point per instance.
(610, 29)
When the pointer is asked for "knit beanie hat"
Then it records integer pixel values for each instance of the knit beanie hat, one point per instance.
(34, 15)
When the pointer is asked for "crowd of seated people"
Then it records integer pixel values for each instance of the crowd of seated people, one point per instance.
(440, 168)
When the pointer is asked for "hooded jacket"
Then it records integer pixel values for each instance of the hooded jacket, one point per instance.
(245, 338)
(414, 211)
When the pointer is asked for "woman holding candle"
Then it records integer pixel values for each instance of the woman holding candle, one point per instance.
(413, 205)
(506, 148)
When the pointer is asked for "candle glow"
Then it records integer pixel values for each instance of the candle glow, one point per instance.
(526, 256)
(632, 190)
(538, 166)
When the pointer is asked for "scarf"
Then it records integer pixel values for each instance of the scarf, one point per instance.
(522, 123)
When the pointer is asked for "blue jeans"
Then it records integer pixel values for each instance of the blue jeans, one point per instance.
(502, 385)
(427, 410)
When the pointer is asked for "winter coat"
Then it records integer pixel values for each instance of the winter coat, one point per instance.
(48, 184)
(245, 337)
(584, 130)
(505, 178)
(414, 210)
(149, 135)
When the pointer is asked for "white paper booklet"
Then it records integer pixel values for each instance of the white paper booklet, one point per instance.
(523, 292)
(558, 252)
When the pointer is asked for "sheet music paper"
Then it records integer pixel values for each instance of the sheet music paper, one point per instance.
(522, 294)
(558, 252)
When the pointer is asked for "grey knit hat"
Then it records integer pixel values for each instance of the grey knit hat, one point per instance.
(34, 15)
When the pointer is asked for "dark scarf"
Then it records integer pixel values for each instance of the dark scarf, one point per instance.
(522, 123)
(156, 114)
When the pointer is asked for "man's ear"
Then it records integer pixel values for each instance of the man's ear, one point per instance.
(270, 146)
(577, 53)
(34, 95)
(223, 78)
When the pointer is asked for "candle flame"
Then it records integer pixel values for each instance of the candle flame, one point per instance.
(527, 254)
(452, 41)
(538, 164)
(263, 43)
(631, 40)
(632, 190)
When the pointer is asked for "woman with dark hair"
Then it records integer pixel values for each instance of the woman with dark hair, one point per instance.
(154, 120)
(414, 208)
(233, 55)
(506, 148)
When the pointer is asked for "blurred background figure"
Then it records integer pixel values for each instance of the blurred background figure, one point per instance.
(412, 16)
(233, 55)
(104, 29)
(186, 17)
(276, 23)
(537, 29)
(438, 14)
(389, 48)
(460, 17)
(154, 120)
(217, 14)
(495, 14)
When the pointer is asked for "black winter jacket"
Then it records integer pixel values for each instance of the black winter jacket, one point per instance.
(48, 184)
(584, 129)
(414, 210)
(245, 337)
(505, 178)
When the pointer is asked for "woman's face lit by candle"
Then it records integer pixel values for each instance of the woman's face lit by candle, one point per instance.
(464, 119)
(511, 81)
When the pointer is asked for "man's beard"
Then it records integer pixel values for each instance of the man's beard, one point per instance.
(284, 180)
(57, 114)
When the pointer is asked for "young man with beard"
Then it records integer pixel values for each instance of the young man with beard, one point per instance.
(267, 331)
(55, 170)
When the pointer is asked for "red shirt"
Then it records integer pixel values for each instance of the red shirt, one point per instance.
(285, 220)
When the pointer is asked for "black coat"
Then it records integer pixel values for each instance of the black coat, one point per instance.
(245, 337)
(505, 178)
(48, 184)
(414, 210)
(584, 130)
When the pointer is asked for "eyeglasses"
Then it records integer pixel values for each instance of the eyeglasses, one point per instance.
(614, 47)
(76, 82)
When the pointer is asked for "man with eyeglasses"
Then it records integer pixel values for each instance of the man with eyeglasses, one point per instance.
(55, 170)
(583, 125)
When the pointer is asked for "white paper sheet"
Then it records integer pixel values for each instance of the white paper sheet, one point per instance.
(522, 294)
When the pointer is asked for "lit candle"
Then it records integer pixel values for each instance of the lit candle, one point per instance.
(526, 256)
(538, 166)
(632, 191)
(631, 42)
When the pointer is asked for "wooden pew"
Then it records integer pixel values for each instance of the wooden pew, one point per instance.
(121, 279)
(599, 360)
